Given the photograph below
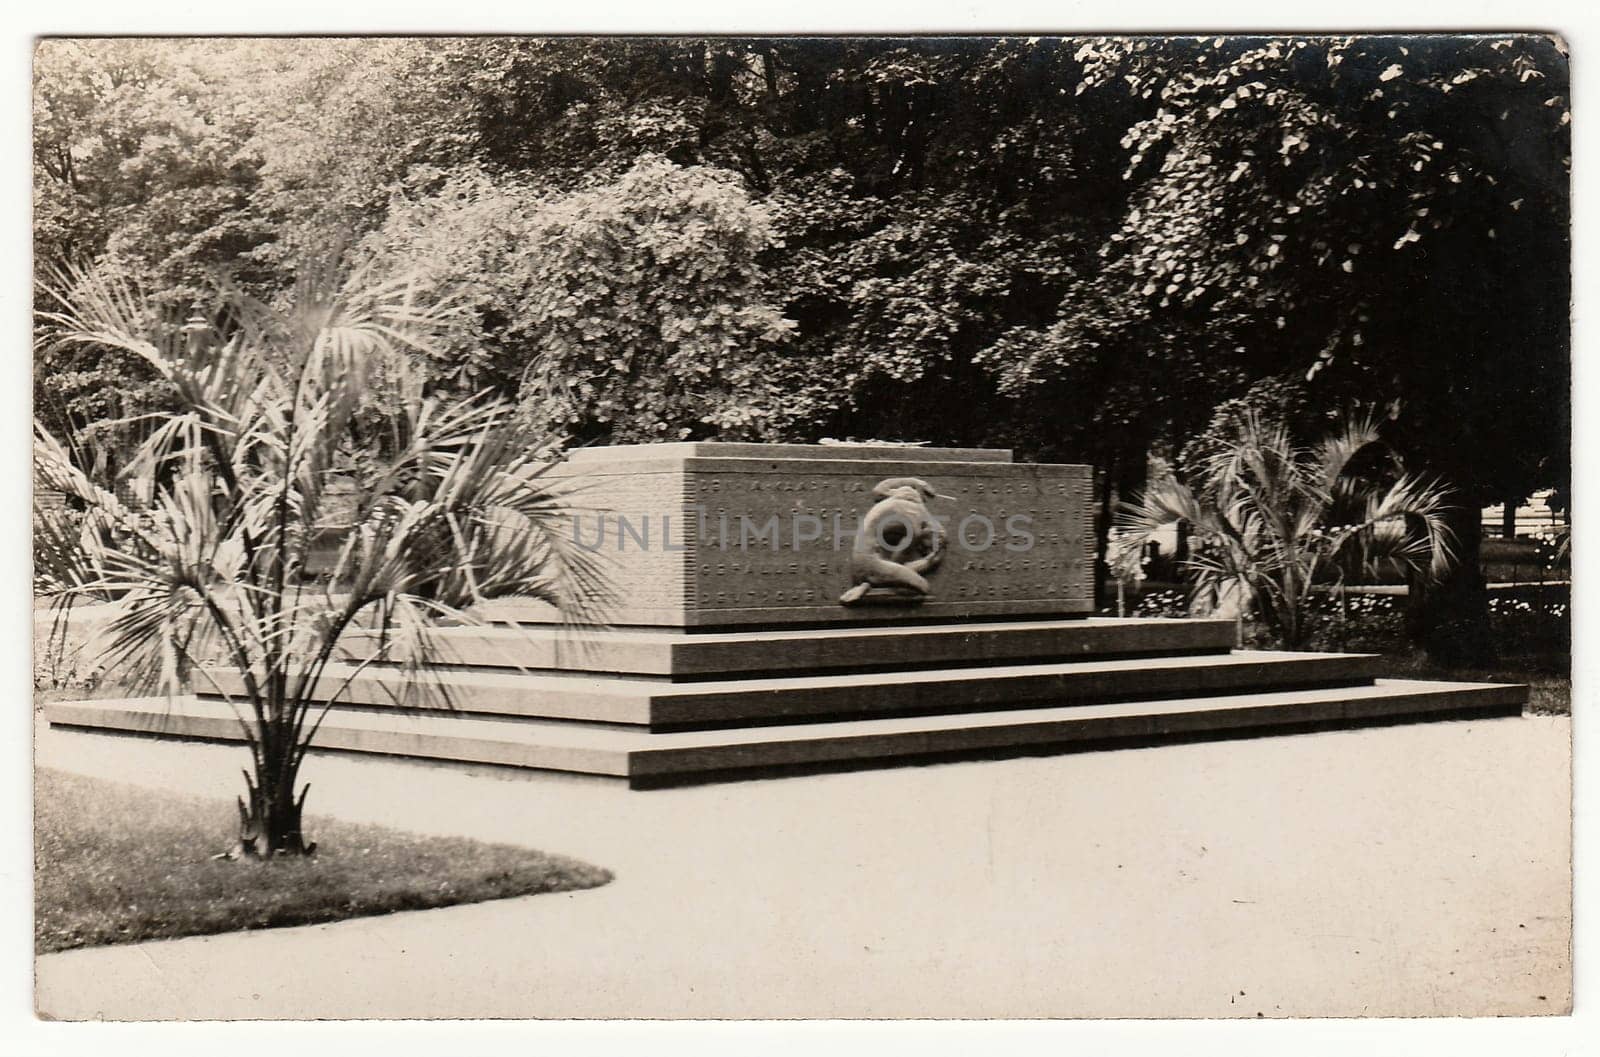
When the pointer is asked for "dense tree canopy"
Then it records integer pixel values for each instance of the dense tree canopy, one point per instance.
(1378, 216)
(133, 162)
(1077, 248)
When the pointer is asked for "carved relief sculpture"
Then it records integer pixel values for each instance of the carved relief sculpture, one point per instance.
(899, 543)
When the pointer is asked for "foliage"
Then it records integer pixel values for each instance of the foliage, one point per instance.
(1076, 248)
(1377, 214)
(929, 194)
(934, 196)
(133, 160)
(635, 309)
(1269, 519)
(64, 658)
(207, 553)
(1533, 627)
(1272, 399)
(959, 229)
(1163, 603)
(342, 126)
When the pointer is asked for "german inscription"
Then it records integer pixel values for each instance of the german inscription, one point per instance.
(819, 536)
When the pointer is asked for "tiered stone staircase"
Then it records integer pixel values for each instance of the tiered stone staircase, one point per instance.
(667, 706)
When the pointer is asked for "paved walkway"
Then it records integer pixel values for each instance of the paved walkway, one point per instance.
(1404, 871)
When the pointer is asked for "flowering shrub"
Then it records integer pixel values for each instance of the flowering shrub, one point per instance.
(1520, 622)
(1554, 549)
(1513, 607)
(1162, 604)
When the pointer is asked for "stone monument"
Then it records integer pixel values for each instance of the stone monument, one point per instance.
(802, 606)
(707, 535)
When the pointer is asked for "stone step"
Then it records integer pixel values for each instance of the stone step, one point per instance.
(662, 705)
(678, 654)
(645, 758)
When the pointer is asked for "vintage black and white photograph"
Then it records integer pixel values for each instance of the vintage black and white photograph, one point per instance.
(802, 527)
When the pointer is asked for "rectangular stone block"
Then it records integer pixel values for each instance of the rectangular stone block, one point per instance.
(649, 759)
(663, 705)
(679, 653)
(707, 535)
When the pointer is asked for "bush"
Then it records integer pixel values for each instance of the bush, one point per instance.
(635, 309)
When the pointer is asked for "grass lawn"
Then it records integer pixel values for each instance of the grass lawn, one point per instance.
(1549, 679)
(115, 863)
(1548, 695)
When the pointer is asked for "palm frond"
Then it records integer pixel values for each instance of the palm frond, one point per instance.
(1334, 453)
(205, 558)
(1268, 517)
(1408, 523)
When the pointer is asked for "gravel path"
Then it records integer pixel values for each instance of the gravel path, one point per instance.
(1412, 870)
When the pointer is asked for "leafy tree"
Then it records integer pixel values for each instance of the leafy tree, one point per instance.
(634, 310)
(1269, 519)
(1384, 216)
(208, 554)
(340, 128)
(1074, 247)
(929, 194)
(136, 158)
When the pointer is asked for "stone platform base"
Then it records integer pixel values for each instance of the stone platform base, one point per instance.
(658, 708)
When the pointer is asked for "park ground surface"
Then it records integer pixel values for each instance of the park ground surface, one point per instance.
(116, 863)
(1404, 870)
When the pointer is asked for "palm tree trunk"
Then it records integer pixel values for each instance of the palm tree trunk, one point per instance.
(270, 823)
(1293, 617)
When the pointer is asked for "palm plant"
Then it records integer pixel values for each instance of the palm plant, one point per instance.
(1268, 519)
(205, 550)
